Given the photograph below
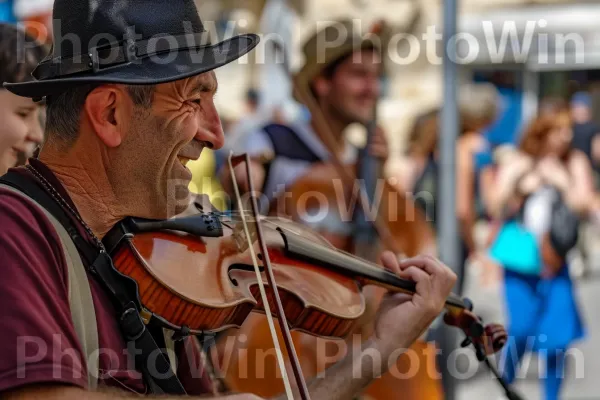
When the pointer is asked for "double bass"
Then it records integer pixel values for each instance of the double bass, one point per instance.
(383, 219)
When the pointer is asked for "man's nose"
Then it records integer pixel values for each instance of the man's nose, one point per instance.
(210, 128)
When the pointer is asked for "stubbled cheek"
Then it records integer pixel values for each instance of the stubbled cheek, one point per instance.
(190, 126)
(181, 120)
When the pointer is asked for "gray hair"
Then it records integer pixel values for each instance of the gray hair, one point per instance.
(64, 110)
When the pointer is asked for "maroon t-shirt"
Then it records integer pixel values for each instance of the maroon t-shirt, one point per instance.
(38, 342)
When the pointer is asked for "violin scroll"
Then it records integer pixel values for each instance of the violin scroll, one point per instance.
(487, 339)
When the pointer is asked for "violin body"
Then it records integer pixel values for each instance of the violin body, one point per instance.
(208, 284)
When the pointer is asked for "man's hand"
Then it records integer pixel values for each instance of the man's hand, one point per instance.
(402, 318)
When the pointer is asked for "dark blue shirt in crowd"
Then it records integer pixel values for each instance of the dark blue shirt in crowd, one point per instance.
(583, 135)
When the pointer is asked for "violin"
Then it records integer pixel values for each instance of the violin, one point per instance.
(208, 271)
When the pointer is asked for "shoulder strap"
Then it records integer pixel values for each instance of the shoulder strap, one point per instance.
(80, 296)
(117, 286)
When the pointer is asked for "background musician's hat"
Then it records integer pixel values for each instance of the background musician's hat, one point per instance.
(130, 42)
(329, 45)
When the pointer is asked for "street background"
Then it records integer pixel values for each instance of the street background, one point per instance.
(413, 85)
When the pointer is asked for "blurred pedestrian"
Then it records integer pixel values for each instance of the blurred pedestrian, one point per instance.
(540, 193)
(422, 139)
(479, 104)
(586, 138)
(20, 131)
(586, 133)
(552, 105)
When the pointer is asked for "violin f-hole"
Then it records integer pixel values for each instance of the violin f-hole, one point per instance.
(242, 267)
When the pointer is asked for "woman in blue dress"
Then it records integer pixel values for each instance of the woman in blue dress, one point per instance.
(542, 311)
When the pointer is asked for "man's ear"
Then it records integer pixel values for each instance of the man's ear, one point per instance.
(102, 108)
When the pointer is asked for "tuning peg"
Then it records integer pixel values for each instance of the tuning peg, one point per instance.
(468, 304)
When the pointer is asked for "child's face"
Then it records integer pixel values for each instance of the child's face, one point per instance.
(20, 131)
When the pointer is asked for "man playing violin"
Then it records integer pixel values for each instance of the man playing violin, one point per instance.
(123, 118)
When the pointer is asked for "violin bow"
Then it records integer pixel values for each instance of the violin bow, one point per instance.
(283, 325)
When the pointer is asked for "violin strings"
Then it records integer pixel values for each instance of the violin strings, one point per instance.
(270, 221)
(286, 229)
(246, 212)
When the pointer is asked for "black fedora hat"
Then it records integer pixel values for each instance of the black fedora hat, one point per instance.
(128, 41)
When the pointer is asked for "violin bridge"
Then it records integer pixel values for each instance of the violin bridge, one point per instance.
(239, 235)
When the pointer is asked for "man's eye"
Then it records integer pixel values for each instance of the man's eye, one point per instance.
(195, 101)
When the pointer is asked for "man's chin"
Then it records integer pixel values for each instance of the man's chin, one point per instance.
(359, 117)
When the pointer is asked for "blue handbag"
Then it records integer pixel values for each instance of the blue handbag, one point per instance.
(517, 249)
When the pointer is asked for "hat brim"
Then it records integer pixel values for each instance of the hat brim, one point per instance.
(147, 71)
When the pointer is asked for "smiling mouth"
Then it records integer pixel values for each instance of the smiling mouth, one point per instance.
(192, 154)
(183, 160)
